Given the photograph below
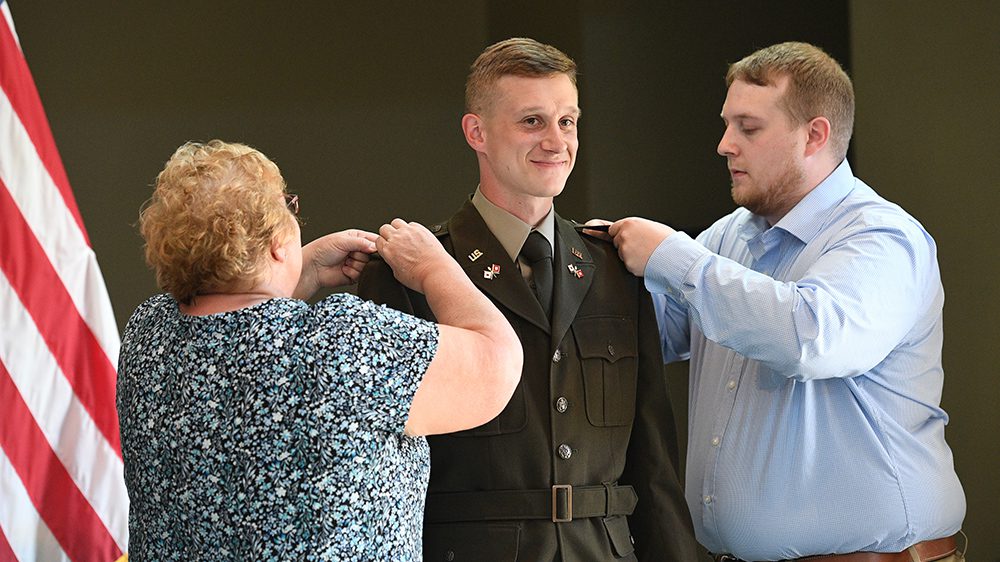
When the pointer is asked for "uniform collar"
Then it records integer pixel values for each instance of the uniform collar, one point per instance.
(510, 230)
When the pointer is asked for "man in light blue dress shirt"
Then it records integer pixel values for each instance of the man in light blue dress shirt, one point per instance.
(812, 320)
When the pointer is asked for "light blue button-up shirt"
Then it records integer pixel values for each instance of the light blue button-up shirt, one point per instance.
(815, 346)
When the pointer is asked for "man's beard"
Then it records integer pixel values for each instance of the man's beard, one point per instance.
(776, 199)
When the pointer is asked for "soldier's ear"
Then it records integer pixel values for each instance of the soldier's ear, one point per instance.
(472, 126)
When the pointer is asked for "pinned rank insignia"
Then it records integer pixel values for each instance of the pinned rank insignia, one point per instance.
(578, 254)
(491, 272)
(475, 255)
(575, 271)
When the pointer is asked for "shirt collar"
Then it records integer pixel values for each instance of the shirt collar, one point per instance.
(511, 231)
(809, 215)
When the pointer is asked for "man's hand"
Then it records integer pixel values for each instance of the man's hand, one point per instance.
(602, 234)
(636, 239)
(334, 260)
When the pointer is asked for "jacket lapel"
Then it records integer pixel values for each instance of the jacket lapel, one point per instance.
(486, 262)
(571, 278)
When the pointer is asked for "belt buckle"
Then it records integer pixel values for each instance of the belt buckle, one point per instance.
(568, 491)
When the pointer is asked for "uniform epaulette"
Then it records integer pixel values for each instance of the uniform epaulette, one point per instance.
(579, 228)
(439, 229)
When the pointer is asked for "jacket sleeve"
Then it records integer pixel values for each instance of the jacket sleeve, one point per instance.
(379, 285)
(661, 524)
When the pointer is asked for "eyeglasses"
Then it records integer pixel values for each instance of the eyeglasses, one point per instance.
(292, 202)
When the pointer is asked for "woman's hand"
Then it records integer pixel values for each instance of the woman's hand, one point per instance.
(413, 253)
(334, 260)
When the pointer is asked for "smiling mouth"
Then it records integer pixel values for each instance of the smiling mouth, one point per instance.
(550, 165)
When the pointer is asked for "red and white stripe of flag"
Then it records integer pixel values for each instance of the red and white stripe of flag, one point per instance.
(62, 490)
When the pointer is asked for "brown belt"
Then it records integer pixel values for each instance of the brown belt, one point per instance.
(928, 550)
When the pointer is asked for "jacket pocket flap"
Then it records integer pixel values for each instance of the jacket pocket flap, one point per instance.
(618, 532)
(604, 337)
(471, 541)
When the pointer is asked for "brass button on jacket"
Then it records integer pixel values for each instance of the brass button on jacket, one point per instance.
(562, 404)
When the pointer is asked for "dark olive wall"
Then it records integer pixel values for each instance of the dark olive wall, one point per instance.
(926, 76)
(359, 104)
(654, 81)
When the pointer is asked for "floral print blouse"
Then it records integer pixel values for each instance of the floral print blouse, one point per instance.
(274, 432)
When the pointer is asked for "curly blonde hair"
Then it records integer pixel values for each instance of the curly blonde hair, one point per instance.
(215, 210)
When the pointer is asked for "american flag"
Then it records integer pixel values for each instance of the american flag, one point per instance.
(62, 491)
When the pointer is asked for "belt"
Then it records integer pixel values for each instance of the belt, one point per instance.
(927, 550)
(560, 504)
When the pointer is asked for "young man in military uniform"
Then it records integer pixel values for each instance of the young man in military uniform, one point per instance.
(581, 465)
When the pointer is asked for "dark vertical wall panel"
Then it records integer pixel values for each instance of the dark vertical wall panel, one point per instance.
(926, 80)
(654, 80)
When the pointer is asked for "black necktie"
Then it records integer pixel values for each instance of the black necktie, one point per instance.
(537, 252)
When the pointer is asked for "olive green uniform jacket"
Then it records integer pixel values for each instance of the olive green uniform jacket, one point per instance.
(591, 411)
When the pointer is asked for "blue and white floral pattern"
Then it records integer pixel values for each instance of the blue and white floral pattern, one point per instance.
(274, 432)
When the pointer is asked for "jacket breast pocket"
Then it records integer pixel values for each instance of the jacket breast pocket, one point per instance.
(607, 348)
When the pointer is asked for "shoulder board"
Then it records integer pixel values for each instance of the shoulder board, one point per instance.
(580, 228)
(439, 229)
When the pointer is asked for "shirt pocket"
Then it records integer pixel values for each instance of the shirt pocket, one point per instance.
(608, 356)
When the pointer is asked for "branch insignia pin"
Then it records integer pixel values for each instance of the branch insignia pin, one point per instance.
(491, 272)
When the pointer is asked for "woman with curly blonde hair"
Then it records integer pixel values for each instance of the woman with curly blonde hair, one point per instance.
(257, 426)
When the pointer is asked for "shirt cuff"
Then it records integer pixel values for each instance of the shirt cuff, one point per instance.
(670, 263)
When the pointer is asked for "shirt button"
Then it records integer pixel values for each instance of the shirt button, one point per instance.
(557, 356)
(731, 385)
(449, 556)
(707, 500)
(716, 441)
(562, 404)
(611, 350)
(565, 451)
(437, 228)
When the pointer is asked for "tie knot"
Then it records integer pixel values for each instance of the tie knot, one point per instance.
(536, 247)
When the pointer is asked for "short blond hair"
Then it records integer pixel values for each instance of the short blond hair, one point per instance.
(817, 86)
(517, 56)
(215, 210)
